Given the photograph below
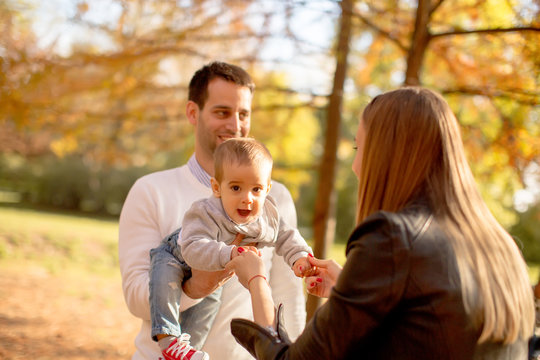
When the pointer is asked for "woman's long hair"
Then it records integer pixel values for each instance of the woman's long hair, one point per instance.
(413, 147)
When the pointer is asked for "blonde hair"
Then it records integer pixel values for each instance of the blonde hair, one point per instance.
(241, 151)
(413, 146)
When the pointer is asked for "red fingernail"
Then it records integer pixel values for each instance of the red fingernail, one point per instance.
(240, 250)
(310, 255)
(319, 279)
(301, 268)
(312, 284)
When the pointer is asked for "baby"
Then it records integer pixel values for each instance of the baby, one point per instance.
(240, 205)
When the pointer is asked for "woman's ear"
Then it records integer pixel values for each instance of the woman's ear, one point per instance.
(216, 189)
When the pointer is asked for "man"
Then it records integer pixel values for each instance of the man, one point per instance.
(219, 108)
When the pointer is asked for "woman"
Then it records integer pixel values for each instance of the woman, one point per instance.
(430, 274)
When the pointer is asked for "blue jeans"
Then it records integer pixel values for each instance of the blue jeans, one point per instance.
(167, 273)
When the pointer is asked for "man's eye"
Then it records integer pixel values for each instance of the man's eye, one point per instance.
(221, 113)
(243, 116)
(355, 147)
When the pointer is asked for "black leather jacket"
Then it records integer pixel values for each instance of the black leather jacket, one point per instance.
(398, 297)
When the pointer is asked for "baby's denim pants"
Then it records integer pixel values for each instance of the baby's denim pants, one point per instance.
(167, 272)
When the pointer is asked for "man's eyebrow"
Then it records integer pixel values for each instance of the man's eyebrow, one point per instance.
(221, 107)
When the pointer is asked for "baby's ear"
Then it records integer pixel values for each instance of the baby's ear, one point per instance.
(216, 189)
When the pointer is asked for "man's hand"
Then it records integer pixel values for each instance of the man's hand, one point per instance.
(203, 283)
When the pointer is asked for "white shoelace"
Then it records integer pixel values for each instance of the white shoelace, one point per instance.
(181, 347)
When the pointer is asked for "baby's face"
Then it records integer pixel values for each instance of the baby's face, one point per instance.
(243, 191)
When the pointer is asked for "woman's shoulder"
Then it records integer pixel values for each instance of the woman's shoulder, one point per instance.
(404, 226)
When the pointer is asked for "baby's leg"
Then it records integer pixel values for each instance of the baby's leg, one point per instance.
(198, 319)
(166, 275)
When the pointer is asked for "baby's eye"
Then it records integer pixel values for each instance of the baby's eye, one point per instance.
(235, 188)
(258, 190)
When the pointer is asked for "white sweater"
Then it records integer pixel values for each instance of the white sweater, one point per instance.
(153, 209)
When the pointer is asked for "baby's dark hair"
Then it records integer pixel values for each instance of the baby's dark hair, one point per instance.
(198, 86)
(242, 151)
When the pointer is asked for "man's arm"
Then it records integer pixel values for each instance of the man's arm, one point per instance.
(139, 233)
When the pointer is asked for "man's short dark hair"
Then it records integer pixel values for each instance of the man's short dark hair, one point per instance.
(198, 86)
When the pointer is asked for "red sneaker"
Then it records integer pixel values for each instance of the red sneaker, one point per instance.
(179, 349)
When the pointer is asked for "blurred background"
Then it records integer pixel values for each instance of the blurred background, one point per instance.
(92, 96)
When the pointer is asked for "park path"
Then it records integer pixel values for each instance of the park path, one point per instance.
(63, 316)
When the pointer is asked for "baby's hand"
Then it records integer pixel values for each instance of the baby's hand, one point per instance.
(301, 267)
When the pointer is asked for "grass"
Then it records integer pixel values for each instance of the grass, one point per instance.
(59, 241)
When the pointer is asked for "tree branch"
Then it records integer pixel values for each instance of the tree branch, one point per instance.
(272, 107)
(518, 95)
(384, 33)
(435, 7)
(487, 31)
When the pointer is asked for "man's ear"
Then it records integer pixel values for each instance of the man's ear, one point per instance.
(192, 112)
(216, 189)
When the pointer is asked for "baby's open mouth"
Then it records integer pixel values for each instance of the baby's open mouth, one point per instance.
(243, 212)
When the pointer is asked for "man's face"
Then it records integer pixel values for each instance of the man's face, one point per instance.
(226, 114)
(243, 191)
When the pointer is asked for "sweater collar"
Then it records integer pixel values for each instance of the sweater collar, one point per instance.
(196, 170)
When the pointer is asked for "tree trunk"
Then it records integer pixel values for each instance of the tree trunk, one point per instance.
(419, 43)
(324, 217)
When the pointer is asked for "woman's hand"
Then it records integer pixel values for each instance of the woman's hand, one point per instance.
(246, 265)
(249, 268)
(323, 276)
(237, 250)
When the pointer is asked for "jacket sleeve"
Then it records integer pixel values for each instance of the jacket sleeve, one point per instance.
(289, 244)
(287, 289)
(370, 286)
(201, 248)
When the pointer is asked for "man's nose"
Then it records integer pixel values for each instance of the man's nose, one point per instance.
(234, 123)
